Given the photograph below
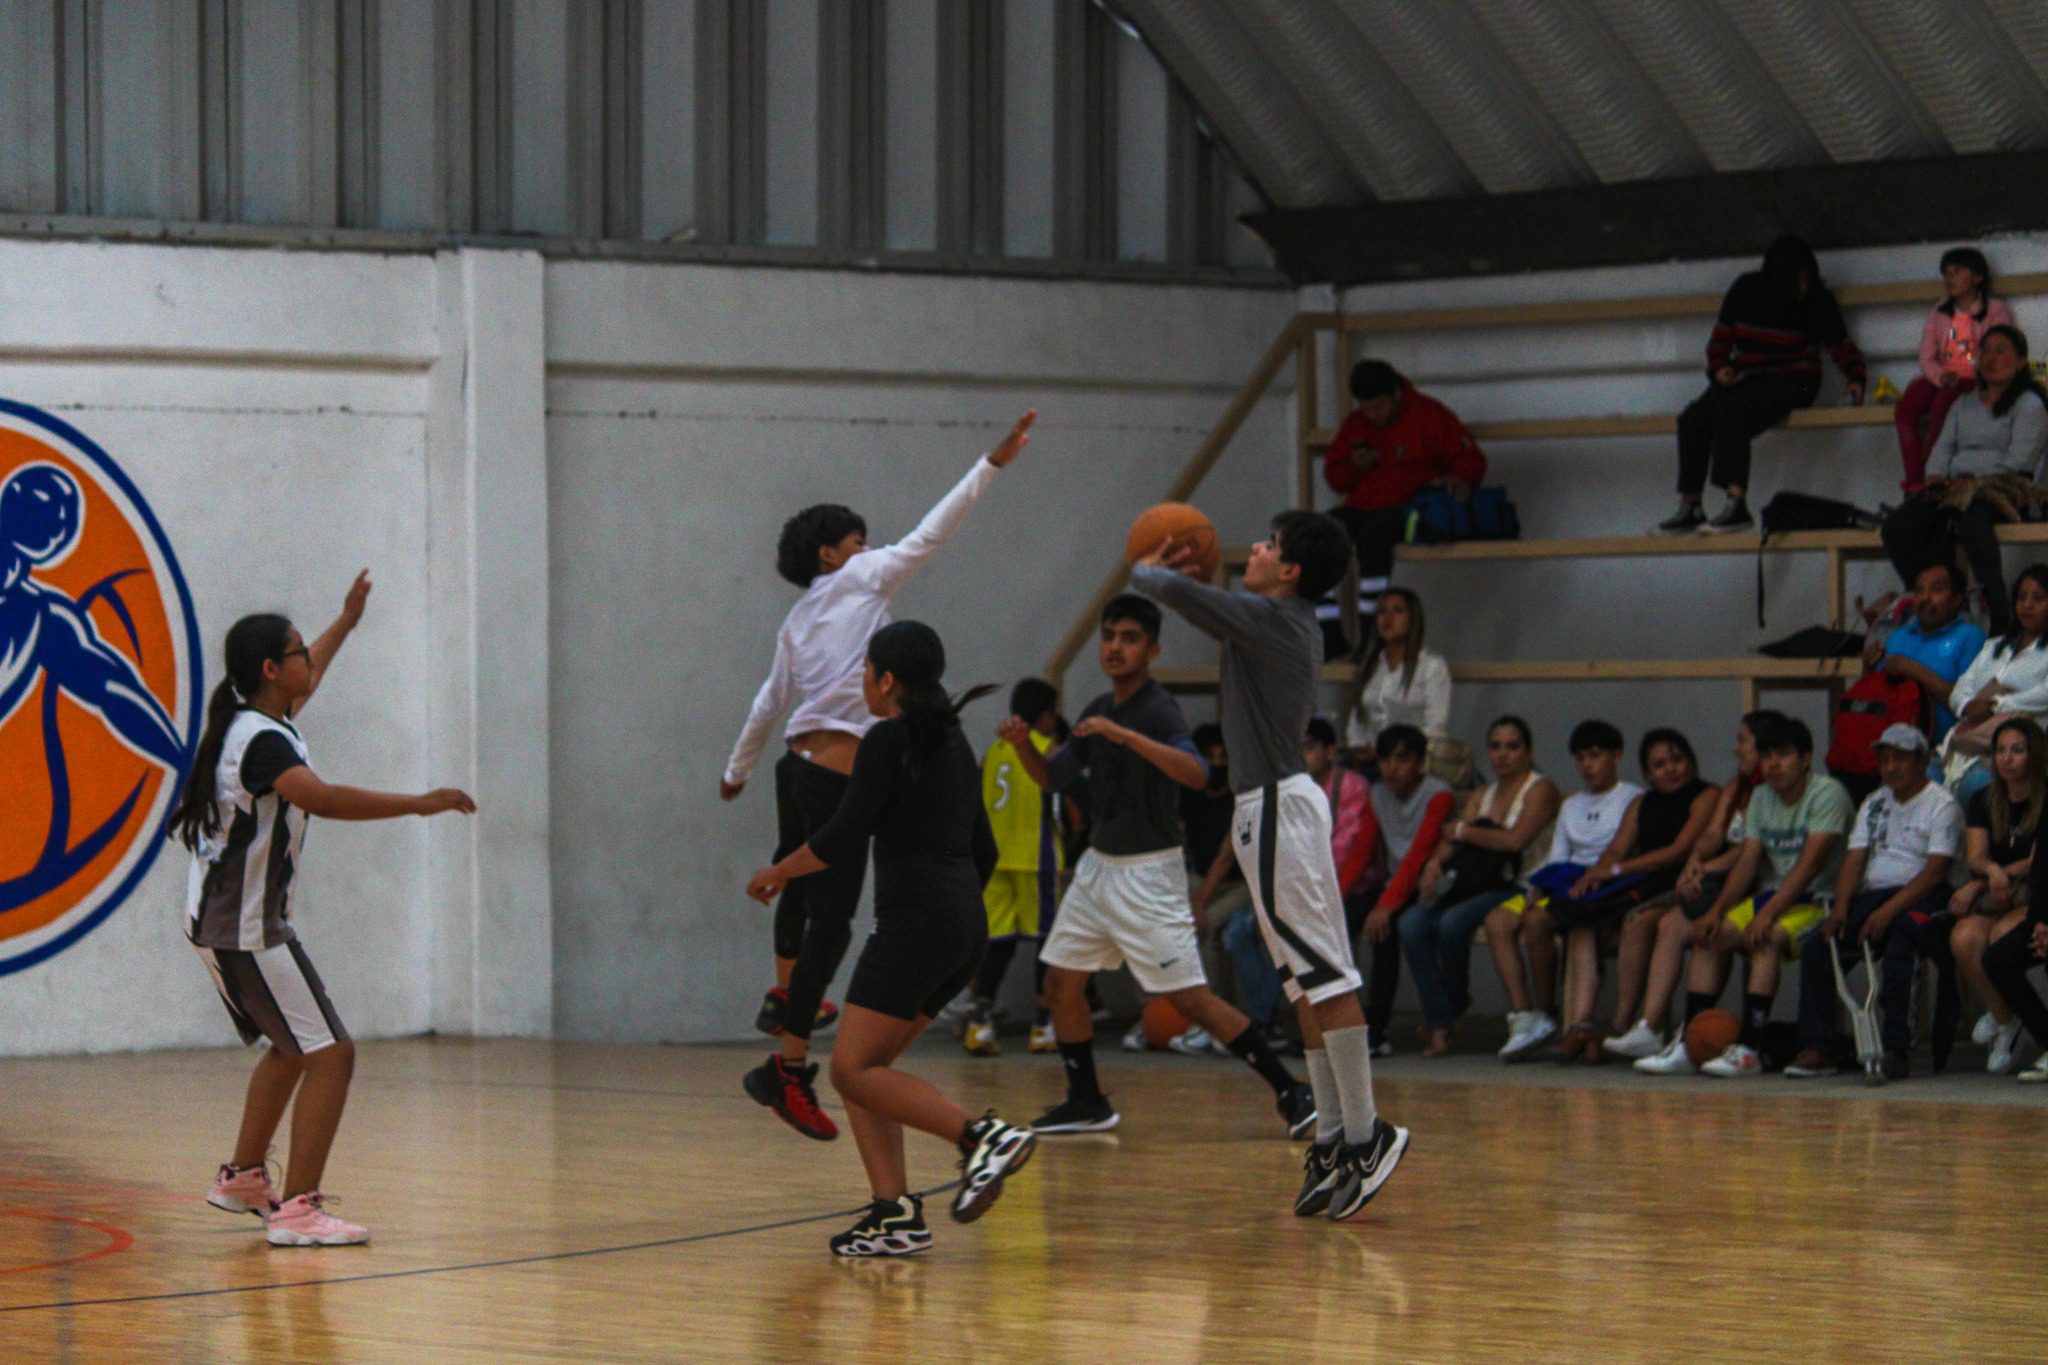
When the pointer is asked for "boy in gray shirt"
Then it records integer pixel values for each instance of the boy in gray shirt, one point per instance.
(1272, 662)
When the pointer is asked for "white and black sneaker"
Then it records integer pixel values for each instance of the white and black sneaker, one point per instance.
(1078, 1116)
(1363, 1167)
(1298, 1107)
(890, 1227)
(1733, 517)
(991, 1152)
(1318, 1177)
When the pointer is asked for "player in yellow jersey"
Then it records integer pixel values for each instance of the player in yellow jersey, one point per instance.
(1021, 895)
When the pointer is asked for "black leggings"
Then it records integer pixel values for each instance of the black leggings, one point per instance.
(1716, 429)
(2006, 965)
(1923, 532)
(814, 918)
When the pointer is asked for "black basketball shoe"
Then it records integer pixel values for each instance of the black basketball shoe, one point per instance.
(1298, 1107)
(1364, 1167)
(890, 1227)
(991, 1151)
(1318, 1177)
(1078, 1116)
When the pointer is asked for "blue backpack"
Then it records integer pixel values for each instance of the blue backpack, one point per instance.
(1437, 518)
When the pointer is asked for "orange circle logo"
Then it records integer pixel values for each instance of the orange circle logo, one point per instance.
(99, 685)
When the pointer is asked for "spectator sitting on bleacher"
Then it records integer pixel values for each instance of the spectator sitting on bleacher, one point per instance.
(1587, 824)
(1763, 361)
(2009, 677)
(1999, 832)
(2008, 961)
(1985, 461)
(1793, 847)
(1405, 819)
(1934, 647)
(1948, 356)
(1400, 681)
(1395, 443)
(1892, 893)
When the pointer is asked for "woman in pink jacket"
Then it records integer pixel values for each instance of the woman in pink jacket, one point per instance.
(1948, 356)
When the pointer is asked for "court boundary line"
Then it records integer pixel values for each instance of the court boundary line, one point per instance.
(538, 1259)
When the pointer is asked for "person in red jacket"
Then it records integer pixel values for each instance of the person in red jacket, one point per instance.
(1396, 442)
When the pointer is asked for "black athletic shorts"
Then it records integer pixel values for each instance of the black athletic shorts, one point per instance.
(910, 969)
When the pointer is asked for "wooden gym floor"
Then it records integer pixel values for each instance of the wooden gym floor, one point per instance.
(536, 1201)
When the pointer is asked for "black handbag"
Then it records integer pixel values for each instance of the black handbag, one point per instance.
(1473, 871)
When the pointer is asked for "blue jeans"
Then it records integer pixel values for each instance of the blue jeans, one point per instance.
(1437, 941)
(1258, 981)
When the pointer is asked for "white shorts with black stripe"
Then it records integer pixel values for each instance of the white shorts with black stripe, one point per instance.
(274, 993)
(1282, 838)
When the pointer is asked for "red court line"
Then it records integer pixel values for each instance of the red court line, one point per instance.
(118, 1239)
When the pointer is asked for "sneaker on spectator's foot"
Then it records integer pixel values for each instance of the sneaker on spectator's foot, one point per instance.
(2005, 1048)
(1733, 517)
(980, 1037)
(2037, 1072)
(1383, 1048)
(1687, 519)
(303, 1221)
(1134, 1038)
(1042, 1039)
(245, 1189)
(1674, 1060)
(1298, 1108)
(1318, 1177)
(890, 1227)
(1078, 1116)
(1518, 1032)
(1193, 1043)
(1894, 1066)
(1985, 1030)
(991, 1151)
(1736, 1061)
(1640, 1041)
(1809, 1064)
(787, 1090)
(1537, 1028)
(1364, 1167)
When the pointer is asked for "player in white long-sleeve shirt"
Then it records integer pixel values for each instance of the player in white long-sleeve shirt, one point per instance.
(819, 654)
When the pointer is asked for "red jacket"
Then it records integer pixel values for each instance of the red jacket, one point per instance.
(1426, 442)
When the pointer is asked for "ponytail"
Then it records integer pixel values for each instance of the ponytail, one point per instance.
(252, 642)
(911, 652)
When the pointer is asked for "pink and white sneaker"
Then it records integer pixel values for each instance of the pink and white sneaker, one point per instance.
(247, 1190)
(303, 1221)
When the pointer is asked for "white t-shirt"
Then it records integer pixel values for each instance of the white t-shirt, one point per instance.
(1901, 838)
(1588, 822)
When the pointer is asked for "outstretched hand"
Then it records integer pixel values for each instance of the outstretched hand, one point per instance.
(729, 791)
(358, 597)
(443, 799)
(1013, 445)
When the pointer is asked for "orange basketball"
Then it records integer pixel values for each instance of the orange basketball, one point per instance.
(1180, 522)
(1710, 1034)
(1163, 1023)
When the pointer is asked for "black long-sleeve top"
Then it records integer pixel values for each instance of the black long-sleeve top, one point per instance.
(1761, 330)
(932, 837)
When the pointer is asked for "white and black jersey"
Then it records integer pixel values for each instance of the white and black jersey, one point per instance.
(240, 892)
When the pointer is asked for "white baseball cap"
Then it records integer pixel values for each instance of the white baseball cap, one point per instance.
(1903, 737)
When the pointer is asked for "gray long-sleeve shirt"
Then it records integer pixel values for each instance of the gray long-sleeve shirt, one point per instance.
(1272, 657)
(1973, 442)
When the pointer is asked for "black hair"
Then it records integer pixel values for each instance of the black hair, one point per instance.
(1519, 726)
(1401, 739)
(809, 531)
(1972, 260)
(1785, 260)
(1996, 796)
(1374, 379)
(1958, 578)
(912, 653)
(1128, 606)
(1664, 734)
(252, 642)
(2023, 382)
(2037, 574)
(1594, 734)
(1032, 698)
(1361, 676)
(1206, 735)
(1318, 546)
(1777, 733)
(1320, 731)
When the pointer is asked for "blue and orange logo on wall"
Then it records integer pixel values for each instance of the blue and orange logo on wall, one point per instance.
(99, 685)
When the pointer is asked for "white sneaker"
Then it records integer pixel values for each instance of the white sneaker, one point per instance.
(1518, 1033)
(1640, 1041)
(1134, 1041)
(2005, 1049)
(1383, 1048)
(1736, 1061)
(1674, 1060)
(1985, 1031)
(1193, 1043)
(2038, 1071)
(1538, 1028)
(1043, 1039)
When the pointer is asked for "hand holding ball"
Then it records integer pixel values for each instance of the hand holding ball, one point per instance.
(1190, 531)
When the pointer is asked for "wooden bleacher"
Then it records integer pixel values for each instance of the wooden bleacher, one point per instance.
(1301, 342)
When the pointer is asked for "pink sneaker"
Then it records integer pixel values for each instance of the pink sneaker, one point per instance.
(243, 1191)
(303, 1221)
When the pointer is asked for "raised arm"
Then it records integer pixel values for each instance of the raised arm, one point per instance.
(1214, 611)
(890, 567)
(777, 691)
(322, 651)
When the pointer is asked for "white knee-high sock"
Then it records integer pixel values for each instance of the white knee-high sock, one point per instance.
(1350, 1054)
(1329, 1100)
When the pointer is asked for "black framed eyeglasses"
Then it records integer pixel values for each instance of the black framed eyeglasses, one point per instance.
(301, 652)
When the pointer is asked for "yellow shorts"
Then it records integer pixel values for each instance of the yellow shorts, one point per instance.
(1012, 900)
(1795, 922)
(1521, 901)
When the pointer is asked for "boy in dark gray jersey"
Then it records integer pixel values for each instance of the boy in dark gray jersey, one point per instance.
(1129, 898)
(1272, 661)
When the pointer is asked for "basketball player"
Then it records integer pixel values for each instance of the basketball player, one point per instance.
(1272, 659)
(1129, 900)
(243, 814)
(915, 790)
(818, 654)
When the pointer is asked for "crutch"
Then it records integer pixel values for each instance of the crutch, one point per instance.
(1862, 1014)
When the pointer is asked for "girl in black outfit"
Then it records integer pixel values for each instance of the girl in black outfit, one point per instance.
(916, 790)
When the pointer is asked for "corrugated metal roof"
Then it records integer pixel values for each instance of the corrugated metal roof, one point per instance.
(1347, 102)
